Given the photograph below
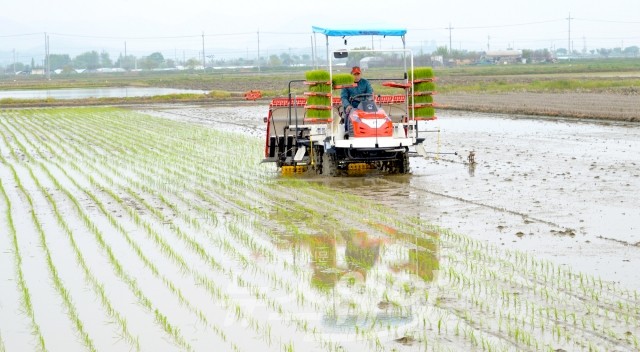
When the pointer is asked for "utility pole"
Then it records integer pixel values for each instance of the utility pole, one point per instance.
(48, 60)
(14, 61)
(569, 40)
(258, 50)
(488, 46)
(45, 66)
(313, 59)
(449, 28)
(204, 63)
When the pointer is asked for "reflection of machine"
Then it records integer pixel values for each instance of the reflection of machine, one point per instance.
(380, 133)
(365, 292)
(362, 279)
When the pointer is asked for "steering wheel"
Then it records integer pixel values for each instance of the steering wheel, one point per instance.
(361, 97)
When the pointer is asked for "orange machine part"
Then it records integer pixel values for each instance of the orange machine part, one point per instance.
(361, 129)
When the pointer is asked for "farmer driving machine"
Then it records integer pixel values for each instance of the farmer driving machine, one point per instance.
(309, 132)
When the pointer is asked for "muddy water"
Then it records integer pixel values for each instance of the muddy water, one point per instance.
(561, 189)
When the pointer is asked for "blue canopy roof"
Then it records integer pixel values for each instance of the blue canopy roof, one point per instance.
(354, 32)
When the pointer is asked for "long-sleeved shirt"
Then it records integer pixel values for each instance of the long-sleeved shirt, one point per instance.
(363, 87)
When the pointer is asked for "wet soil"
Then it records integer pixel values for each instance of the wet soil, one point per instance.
(605, 106)
(563, 189)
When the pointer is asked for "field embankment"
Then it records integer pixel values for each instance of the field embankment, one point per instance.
(599, 89)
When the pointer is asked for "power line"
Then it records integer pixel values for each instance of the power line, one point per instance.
(123, 38)
(606, 21)
(492, 26)
(168, 37)
(20, 35)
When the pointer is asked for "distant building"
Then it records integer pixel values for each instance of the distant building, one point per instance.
(504, 56)
(110, 70)
(370, 61)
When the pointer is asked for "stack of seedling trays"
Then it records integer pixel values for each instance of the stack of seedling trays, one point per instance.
(421, 98)
(318, 107)
(343, 80)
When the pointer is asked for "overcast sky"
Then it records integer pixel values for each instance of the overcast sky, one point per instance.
(230, 27)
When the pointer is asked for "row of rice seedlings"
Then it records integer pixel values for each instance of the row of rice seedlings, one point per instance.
(524, 288)
(152, 209)
(120, 271)
(469, 300)
(566, 293)
(97, 287)
(25, 297)
(198, 171)
(553, 276)
(164, 201)
(289, 285)
(231, 149)
(166, 248)
(147, 227)
(521, 288)
(63, 292)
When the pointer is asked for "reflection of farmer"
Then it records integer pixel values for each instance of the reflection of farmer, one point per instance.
(362, 252)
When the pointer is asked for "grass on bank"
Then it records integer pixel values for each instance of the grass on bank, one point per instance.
(214, 95)
(541, 86)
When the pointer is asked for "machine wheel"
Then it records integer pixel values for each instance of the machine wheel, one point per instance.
(330, 164)
(318, 158)
(398, 166)
(403, 163)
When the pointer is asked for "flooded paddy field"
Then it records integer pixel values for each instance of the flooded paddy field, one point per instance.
(159, 229)
(563, 189)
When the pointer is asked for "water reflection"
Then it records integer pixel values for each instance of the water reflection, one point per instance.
(472, 169)
(81, 93)
(369, 277)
